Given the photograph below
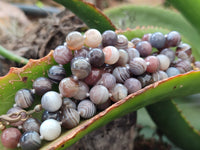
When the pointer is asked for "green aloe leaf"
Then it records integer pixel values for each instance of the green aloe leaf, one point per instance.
(91, 15)
(190, 9)
(133, 16)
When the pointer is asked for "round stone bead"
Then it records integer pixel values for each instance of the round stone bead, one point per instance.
(68, 103)
(173, 39)
(99, 94)
(109, 38)
(70, 118)
(24, 98)
(96, 57)
(83, 52)
(135, 41)
(183, 66)
(82, 91)
(169, 53)
(93, 38)
(30, 141)
(137, 66)
(108, 80)
(146, 37)
(145, 79)
(86, 109)
(119, 92)
(50, 129)
(17, 110)
(80, 67)
(164, 61)
(62, 55)
(68, 87)
(75, 40)
(51, 101)
(159, 75)
(31, 124)
(157, 40)
(56, 73)
(111, 54)
(51, 115)
(93, 77)
(133, 85)
(123, 58)
(172, 71)
(10, 137)
(42, 85)
(132, 53)
(122, 42)
(153, 64)
(144, 48)
(121, 74)
(183, 51)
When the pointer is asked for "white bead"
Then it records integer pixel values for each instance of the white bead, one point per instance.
(111, 54)
(93, 38)
(50, 129)
(51, 101)
(164, 61)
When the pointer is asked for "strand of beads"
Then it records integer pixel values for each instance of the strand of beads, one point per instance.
(105, 69)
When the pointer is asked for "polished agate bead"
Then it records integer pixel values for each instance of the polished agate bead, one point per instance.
(164, 61)
(51, 115)
(86, 109)
(145, 79)
(122, 42)
(183, 51)
(119, 92)
(17, 110)
(68, 87)
(50, 129)
(51, 101)
(173, 39)
(137, 66)
(133, 85)
(30, 141)
(153, 64)
(157, 40)
(82, 91)
(10, 137)
(92, 38)
(93, 77)
(24, 98)
(123, 58)
(146, 37)
(135, 41)
(144, 48)
(159, 75)
(42, 85)
(108, 80)
(62, 55)
(70, 118)
(75, 40)
(96, 57)
(109, 38)
(80, 67)
(169, 53)
(83, 52)
(121, 74)
(99, 94)
(56, 73)
(111, 54)
(183, 66)
(68, 103)
(172, 71)
(31, 124)
(132, 53)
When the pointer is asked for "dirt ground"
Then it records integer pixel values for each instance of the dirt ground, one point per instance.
(35, 37)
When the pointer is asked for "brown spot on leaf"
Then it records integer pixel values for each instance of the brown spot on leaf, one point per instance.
(24, 79)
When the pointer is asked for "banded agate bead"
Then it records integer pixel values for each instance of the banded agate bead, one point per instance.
(82, 91)
(153, 64)
(24, 98)
(92, 38)
(164, 61)
(121, 74)
(173, 39)
(51, 115)
(119, 92)
(108, 80)
(75, 40)
(96, 57)
(137, 66)
(111, 54)
(122, 42)
(68, 103)
(56, 73)
(123, 58)
(144, 48)
(109, 38)
(31, 124)
(133, 85)
(86, 109)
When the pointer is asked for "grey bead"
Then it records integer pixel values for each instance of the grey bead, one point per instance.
(172, 71)
(31, 124)
(24, 98)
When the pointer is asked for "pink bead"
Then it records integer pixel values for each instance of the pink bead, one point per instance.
(111, 54)
(75, 40)
(93, 38)
(62, 55)
(10, 137)
(152, 64)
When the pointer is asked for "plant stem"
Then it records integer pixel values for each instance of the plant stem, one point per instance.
(11, 56)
